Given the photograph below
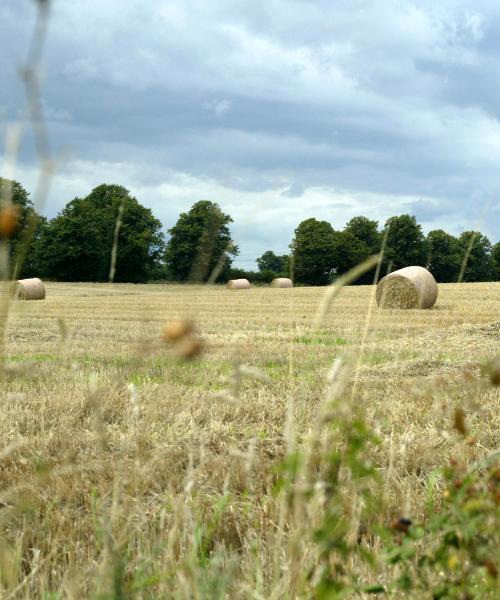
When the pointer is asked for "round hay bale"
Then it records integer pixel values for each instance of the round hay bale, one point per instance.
(29, 289)
(281, 282)
(411, 287)
(238, 284)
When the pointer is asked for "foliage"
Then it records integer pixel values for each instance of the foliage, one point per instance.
(367, 231)
(406, 243)
(455, 552)
(476, 253)
(349, 251)
(198, 240)
(28, 222)
(252, 276)
(313, 252)
(496, 258)
(77, 244)
(444, 256)
(270, 261)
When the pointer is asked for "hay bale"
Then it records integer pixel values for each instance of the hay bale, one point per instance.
(238, 284)
(29, 289)
(411, 287)
(281, 282)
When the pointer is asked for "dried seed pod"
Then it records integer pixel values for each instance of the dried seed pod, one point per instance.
(459, 421)
(9, 217)
(176, 330)
(495, 371)
(402, 525)
(189, 348)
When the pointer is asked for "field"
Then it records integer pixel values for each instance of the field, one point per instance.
(128, 471)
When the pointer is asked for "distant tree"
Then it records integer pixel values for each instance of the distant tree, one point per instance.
(77, 244)
(476, 252)
(270, 261)
(314, 252)
(366, 231)
(197, 242)
(406, 243)
(444, 256)
(26, 227)
(349, 251)
(496, 259)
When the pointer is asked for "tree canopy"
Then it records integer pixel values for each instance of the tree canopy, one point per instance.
(476, 252)
(77, 244)
(444, 256)
(406, 244)
(271, 262)
(27, 227)
(314, 252)
(197, 242)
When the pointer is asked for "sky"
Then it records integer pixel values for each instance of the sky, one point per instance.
(278, 111)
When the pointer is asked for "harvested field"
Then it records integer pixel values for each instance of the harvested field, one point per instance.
(120, 461)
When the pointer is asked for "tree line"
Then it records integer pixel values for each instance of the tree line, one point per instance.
(78, 244)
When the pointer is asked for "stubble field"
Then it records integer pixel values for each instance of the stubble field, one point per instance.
(128, 471)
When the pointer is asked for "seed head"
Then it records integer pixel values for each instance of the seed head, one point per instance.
(176, 330)
(9, 215)
(495, 371)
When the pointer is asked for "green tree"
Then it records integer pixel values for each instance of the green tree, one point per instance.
(406, 244)
(349, 251)
(198, 241)
(270, 261)
(444, 256)
(496, 259)
(26, 229)
(314, 252)
(476, 256)
(77, 244)
(366, 231)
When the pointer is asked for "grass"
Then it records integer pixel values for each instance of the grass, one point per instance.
(127, 473)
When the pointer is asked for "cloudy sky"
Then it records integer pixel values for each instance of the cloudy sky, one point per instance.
(278, 110)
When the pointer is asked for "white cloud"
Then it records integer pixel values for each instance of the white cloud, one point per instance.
(279, 110)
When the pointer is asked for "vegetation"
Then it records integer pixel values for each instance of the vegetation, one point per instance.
(198, 241)
(283, 461)
(77, 245)
(314, 252)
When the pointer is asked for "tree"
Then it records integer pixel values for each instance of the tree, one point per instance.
(444, 256)
(314, 252)
(77, 244)
(366, 231)
(270, 261)
(477, 256)
(198, 241)
(26, 228)
(406, 244)
(349, 251)
(496, 258)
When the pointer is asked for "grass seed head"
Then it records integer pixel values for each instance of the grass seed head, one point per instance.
(9, 217)
(176, 330)
(189, 348)
(495, 371)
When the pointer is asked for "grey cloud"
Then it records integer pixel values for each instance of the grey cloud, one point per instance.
(389, 101)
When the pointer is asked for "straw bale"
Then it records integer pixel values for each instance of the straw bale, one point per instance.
(282, 282)
(411, 287)
(238, 284)
(29, 289)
